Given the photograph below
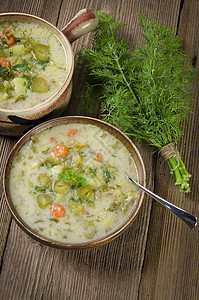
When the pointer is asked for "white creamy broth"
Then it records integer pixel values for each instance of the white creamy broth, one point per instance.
(32, 64)
(68, 183)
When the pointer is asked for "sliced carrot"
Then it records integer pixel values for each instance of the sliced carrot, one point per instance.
(6, 31)
(60, 150)
(99, 157)
(57, 210)
(72, 132)
(10, 40)
(4, 62)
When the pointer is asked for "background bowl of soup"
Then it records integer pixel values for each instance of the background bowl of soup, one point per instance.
(36, 68)
(65, 182)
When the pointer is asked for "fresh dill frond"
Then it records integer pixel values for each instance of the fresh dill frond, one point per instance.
(146, 93)
(74, 178)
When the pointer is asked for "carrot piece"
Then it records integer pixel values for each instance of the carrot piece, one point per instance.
(6, 31)
(71, 132)
(57, 210)
(4, 62)
(60, 150)
(10, 40)
(99, 157)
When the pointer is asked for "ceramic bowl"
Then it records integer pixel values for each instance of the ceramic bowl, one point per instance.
(82, 120)
(17, 122)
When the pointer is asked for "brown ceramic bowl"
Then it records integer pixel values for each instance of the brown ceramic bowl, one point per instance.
(83, 120)
(17, 122)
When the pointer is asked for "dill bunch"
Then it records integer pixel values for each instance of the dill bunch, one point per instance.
(146, 93)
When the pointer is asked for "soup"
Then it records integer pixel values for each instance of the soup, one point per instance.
(32, 64)
(68, 183)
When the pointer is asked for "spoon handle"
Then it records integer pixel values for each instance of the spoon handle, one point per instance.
(186, 217)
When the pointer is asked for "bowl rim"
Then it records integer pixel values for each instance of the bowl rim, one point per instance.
(70, 67)
(83, 245)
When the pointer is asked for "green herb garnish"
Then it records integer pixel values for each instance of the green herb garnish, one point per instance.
(39, 189)
(76, 179)
(44, 63)
(3, 71)
(106, 174)
(81, 200)
(17, 40)
(21, 67)
(146, 93)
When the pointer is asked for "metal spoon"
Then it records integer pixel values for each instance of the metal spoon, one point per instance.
(187, 218)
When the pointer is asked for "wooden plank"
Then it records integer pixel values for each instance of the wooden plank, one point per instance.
(6, 144)
(166, 271)
(41, 8)
(34, 271)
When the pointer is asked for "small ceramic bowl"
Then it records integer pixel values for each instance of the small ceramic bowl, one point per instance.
(82, 120)
(17, 122)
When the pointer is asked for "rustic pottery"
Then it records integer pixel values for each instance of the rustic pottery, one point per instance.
(17, 122)
(83, 120)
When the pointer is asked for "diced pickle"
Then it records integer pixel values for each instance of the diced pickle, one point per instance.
(113, 206)
(44, 180)
(33, 42)
(90, 230)
(20, 84)
(41, 52)
(20, 98)
(39, 85)
(78, 146)
(15, 50)
(60, 198)
(52, 160)
(75, 207)
(95, 182)
(28, 56)
(60, 186)
(28, 49)
(43, 200)
(20, 156)
(15, 60)
(34, 139)
(76, 160)
(85, 192)
(2, 87)
(54, 220)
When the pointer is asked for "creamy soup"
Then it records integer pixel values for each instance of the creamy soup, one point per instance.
(68, 183)
(32, 64)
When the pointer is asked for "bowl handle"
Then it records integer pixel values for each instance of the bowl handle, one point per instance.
(83, 22)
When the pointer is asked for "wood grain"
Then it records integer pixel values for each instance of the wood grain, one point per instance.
(157, 257)
(166, 275)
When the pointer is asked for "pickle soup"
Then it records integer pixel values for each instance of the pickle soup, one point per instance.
(68, 183)
(32, 64)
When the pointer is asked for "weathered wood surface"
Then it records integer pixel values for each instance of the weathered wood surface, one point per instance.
(157, 257)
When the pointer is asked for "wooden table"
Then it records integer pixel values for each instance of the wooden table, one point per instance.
(158, 256)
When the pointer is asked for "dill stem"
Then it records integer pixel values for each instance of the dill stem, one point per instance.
(124, 78)
(120, 68)
(179, 173)
(174, 167)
